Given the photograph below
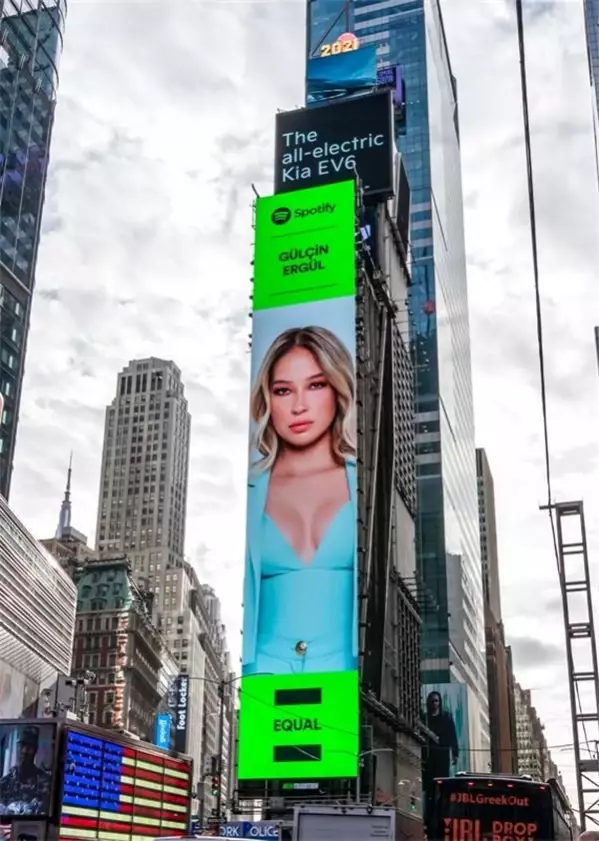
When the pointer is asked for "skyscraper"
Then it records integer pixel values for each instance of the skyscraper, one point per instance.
(591, 19)
(143, 490)
(500, 675)
(410, 34)
(30, 44)
(142, 512)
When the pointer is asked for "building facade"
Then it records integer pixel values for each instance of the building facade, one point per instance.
(118, 647)
(37, 618)
(500, 676)
(410, 33)
(591, 20)
(534, 757)
(30, 45)
(141, 513)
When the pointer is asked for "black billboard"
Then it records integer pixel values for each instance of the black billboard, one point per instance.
(181, 710)
(329, 143)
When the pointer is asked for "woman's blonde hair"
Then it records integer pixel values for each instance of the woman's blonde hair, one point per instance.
(338, 368)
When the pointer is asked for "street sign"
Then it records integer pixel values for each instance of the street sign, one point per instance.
(250, 829)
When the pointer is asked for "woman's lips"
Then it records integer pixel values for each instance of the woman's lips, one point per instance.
(300, 426)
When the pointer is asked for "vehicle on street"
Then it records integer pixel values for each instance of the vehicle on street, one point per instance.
(485, 807)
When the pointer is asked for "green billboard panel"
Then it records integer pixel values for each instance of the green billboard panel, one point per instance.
(300, 658)
(299, 726)
(305, 246)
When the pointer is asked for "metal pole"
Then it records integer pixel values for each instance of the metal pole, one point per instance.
(359, 781)
(221, 729)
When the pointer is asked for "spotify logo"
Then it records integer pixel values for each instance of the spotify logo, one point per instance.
(281, 215)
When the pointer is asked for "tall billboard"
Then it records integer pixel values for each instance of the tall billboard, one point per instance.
(341, 76)
(446, 716)
(335, 141)
(181, 710)
(299, 712)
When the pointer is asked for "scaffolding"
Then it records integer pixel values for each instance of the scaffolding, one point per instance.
(581, 652)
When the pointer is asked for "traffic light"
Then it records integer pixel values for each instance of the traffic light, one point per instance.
(412, 802)
(215, 784)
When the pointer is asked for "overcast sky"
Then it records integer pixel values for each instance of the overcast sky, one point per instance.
(165, 118)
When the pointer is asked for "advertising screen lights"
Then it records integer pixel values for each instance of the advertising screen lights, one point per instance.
(333, 142)
(299, 716)
(341, 76)
(117, 792)
(26, 768)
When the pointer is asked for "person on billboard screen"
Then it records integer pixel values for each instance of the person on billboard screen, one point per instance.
(26, 788)
(300, 597)
(446, 751)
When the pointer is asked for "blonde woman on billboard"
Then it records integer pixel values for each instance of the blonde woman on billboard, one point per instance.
(300, 593)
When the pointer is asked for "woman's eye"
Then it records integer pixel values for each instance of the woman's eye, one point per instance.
(322, 384)
(280, 392)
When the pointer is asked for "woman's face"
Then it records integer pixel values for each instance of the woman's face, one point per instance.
(303, 404)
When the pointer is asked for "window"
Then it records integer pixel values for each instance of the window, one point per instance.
(108, 717)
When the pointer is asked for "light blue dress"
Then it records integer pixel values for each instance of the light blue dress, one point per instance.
(287, 601)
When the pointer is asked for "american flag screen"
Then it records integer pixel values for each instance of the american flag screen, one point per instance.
(117, 792)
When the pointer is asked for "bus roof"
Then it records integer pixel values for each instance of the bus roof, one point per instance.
(490, 779)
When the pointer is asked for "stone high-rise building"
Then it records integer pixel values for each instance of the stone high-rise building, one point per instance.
(534, 756)
(143, 489)
(141, 513)
(500, 676)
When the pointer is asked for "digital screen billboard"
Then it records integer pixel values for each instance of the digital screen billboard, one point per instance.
(334, 142)
(181, 711)
(116, 792)
(341, 75)
(466, 808)
(392, 78)
(163, 725)
(446, 715)
(299, 716)
(26, 768)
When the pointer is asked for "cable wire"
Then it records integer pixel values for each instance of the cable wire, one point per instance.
(538, 309)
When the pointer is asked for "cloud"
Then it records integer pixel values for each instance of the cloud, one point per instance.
(146, 251)
(534, 653)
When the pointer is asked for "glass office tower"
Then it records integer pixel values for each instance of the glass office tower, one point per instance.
(410, 33)
(30, 43)
(591, 19)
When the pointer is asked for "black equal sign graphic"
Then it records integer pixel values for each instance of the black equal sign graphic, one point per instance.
(297, 698)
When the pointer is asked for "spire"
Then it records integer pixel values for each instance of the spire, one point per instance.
(64, 520)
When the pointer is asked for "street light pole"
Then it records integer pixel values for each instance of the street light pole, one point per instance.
(359, 777)
(222, 684)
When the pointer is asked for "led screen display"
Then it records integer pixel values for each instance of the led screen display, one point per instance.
(341, 75)
(446, 715)
(26, 768)
(335, 141)
(116, 792)
(299, 716)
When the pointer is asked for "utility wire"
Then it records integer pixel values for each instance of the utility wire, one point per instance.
(539, 317)
(300, 711)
